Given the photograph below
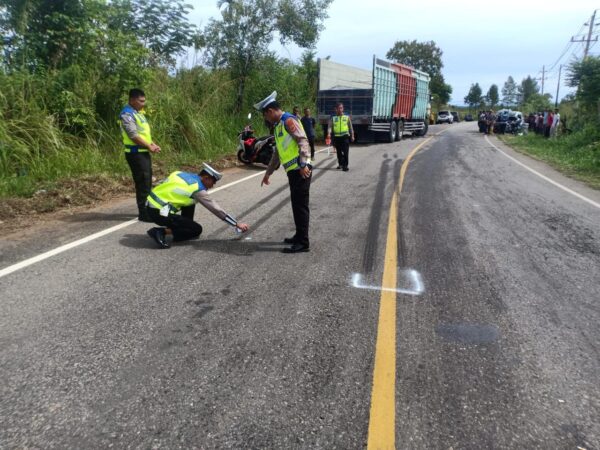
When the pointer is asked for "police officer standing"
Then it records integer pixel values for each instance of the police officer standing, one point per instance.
(138, 144)
(293, 154)
(343, 133)
(179, 193)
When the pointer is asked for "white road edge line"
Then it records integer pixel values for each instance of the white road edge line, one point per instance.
(564, 188)
(63, 248)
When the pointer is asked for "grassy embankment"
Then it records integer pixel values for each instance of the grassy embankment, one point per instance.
(576, 155)
(49, 161)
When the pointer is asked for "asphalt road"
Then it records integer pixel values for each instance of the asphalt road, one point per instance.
(229, 343)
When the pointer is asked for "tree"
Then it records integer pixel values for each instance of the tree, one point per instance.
(242, 36)
(527, 88)
(474, 96)
(162, 26)
(440, 90)
(492, 96)
(509, 92)
(537, 102)
(585, 76)
(425, 56)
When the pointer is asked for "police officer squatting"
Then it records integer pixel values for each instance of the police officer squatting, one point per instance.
(179, 193)
(138, 144)
(293, 152)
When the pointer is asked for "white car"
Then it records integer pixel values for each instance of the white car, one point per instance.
(444, 117)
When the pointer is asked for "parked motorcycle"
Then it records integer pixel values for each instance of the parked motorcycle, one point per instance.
(252, 149)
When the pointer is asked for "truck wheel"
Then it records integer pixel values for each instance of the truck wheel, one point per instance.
(393, 132)
(399, 130)
(423, 131)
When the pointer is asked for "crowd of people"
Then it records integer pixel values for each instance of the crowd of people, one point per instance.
(486, 121)
(546, 123)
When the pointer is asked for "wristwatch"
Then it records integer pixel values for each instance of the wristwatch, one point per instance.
(305, 164)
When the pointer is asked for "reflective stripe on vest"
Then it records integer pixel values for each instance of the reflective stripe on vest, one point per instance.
(340, 125)
(177, 191)
(143, 129)
(287, 147)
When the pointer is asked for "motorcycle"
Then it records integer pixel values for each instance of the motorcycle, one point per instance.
(252, 149)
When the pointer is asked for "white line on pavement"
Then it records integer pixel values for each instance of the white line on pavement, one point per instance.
(64, 248)
(564, 188)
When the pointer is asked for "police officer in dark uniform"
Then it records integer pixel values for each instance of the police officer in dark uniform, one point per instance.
(293, 153)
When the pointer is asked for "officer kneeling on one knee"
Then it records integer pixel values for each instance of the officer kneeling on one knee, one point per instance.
(179, 193)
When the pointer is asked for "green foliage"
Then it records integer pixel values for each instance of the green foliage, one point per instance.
(425, 56)
(585, 75)
(536, 103)
(492, 96)
(509, 92)
(577, 154)
(474, 97)
(242, 36)
(527, 89)
(59, 103)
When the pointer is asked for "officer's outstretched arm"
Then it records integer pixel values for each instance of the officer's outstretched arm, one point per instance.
(204, 199)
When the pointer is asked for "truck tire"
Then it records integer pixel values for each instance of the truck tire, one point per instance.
(399, 130)
(393, 131)
(423, 131)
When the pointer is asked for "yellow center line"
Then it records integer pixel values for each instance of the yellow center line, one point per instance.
(382, 420)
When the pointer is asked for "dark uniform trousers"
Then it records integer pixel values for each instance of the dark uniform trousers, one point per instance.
(342, 148)
(140, 164)
(300, 193)
(311, 143)
(183, 226)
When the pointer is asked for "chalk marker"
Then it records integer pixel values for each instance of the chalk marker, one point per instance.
(412, 275)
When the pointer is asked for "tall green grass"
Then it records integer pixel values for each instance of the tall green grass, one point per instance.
(63, 125)
(576, 154)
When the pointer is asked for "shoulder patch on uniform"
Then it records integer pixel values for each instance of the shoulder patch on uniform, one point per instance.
(189, 178)
(290, 124)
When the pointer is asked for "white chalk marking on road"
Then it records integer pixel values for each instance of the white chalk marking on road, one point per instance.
(412, 275)
(564, 188)
(91, 237)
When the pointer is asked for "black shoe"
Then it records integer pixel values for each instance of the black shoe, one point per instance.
(296, 248)
(291, 240)
(345, 169)
(339, 167)
(159, 236)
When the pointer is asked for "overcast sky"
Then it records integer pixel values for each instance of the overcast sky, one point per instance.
(482, 41)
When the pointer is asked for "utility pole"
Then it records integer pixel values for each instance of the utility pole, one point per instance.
(543, 77)
(557, 86)
(589, 36)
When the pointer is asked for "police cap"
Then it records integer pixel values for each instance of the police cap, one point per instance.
(266, 101)
(212, 172)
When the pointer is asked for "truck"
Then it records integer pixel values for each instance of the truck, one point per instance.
(384, 103)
